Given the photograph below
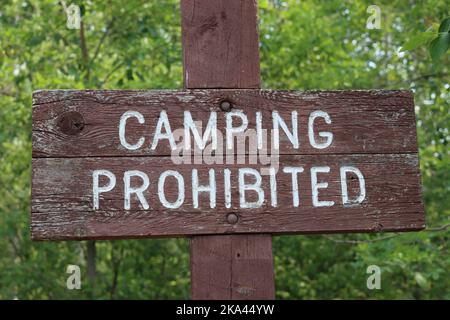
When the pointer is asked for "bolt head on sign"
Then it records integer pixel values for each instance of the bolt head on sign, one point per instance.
(131, 164)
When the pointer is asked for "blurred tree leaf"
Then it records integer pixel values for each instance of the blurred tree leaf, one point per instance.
(304, 45)
(418, 40)
(439, 46)
(445, 25)
(421, 281)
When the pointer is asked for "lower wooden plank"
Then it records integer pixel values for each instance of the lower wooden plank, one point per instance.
(62, 200)
(232, 267)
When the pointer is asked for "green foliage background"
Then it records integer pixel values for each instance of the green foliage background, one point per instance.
(310, 44)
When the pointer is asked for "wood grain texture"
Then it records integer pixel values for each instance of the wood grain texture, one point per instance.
(374, 121)
(62, 204)
(221, 50)
(232, 267)
(76, 132)
(220, 44)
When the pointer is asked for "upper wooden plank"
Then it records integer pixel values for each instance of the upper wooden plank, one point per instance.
(220, 44)
(362, 121)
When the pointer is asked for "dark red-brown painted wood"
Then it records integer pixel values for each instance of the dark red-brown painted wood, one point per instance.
(62, 203)
(221, 50)
(76, 132)
(232, 267)
(220, 44)
(85, 123)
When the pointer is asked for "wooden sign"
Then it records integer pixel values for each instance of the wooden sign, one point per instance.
(130, 164)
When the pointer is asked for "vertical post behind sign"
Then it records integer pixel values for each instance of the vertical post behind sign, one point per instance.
(221, 50)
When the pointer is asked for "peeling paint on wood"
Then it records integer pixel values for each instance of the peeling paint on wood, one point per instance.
(62, 199)
(77, 133)
(362, 121)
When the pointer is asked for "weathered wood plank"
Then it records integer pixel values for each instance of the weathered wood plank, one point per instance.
(237, 262)
(211, 267)
(253, 267)
(220, 44)
(62, 204)
(221, 50)
(362, 121)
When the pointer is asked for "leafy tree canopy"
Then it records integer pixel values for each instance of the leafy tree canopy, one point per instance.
(306, 44)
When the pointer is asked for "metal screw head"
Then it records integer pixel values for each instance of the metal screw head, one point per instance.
(232, 218)
(225, 106)
(71, 123)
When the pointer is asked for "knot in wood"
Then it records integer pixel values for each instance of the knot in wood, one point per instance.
(71, 123)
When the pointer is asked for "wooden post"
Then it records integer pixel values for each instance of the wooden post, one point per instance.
(221, 50)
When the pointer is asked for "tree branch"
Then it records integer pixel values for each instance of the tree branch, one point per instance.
(440, 228)
(362, 241)
(421, 77)
(434, 229)
(428, 76)
(91, 264)
(84, 50)
(111, 73)
(102, 39)
(116, 261)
